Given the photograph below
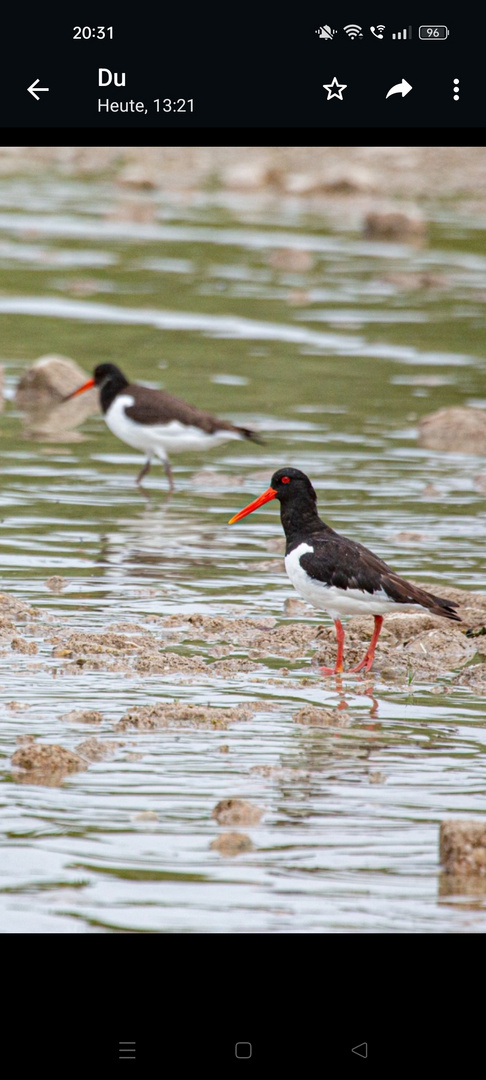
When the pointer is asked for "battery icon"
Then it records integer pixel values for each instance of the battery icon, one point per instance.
(433, 33)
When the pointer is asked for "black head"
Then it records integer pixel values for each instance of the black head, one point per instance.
(292, 484)
(110, 380)
(292, 488)
(105, 373)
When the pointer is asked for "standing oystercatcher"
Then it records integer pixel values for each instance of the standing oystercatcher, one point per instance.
(156, 422)
(334, 573)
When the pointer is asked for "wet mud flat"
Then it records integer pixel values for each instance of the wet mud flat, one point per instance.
(198, 649)
(197, 644)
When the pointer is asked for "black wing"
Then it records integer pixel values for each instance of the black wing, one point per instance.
(345, 564)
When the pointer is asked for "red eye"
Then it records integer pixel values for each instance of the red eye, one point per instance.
(285, 480)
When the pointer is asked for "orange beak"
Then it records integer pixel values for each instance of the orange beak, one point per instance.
(270, 493)
(86, 386)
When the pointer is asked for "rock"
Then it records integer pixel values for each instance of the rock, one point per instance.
(152, 663)
(473, 676)
(472, 886)
(95, 750)
(45, 764)
(236, 812)
(10, 605)
(178, 714)
(32, 756)
(232, 843)
(108, 645)
(462, 846)
(292, 639)
(458, 428)
(82, 716)
(316, 716)
(21, 645)
(241, 630)
(394, 225)
(56, 583)
(40, 393)
(450, 645)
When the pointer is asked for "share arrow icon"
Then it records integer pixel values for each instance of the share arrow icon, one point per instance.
(402, 88)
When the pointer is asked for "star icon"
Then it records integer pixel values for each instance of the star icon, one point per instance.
(335, 89)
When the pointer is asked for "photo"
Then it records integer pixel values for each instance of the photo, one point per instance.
(243, 515)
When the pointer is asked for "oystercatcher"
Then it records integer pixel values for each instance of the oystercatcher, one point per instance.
(156, 422)
(335, 574)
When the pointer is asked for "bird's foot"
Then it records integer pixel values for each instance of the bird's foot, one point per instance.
(338, 670)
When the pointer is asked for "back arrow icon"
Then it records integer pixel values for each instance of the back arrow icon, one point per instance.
(33, 87)
(402, 88)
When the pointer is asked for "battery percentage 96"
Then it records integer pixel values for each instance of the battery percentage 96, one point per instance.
(433, 33)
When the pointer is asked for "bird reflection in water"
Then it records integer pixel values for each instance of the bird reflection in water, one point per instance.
(158, 542)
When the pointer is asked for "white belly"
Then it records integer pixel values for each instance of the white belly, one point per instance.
(338, 602)
(159, 439)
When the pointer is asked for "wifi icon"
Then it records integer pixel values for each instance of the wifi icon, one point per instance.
(353, 31)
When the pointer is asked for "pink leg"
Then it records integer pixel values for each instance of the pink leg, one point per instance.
(367, 660)
(143, 472)
(338, 667)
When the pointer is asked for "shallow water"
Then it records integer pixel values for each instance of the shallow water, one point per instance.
(334, 364)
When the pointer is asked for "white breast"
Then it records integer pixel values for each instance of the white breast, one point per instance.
(159, 439)
(338, 602)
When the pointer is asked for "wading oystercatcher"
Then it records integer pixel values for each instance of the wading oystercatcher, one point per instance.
(335, 574)
(156, 422)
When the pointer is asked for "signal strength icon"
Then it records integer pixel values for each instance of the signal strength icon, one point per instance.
(353, 31)
(403, 35)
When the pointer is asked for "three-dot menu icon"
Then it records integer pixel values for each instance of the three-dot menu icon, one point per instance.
(127, 1051)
